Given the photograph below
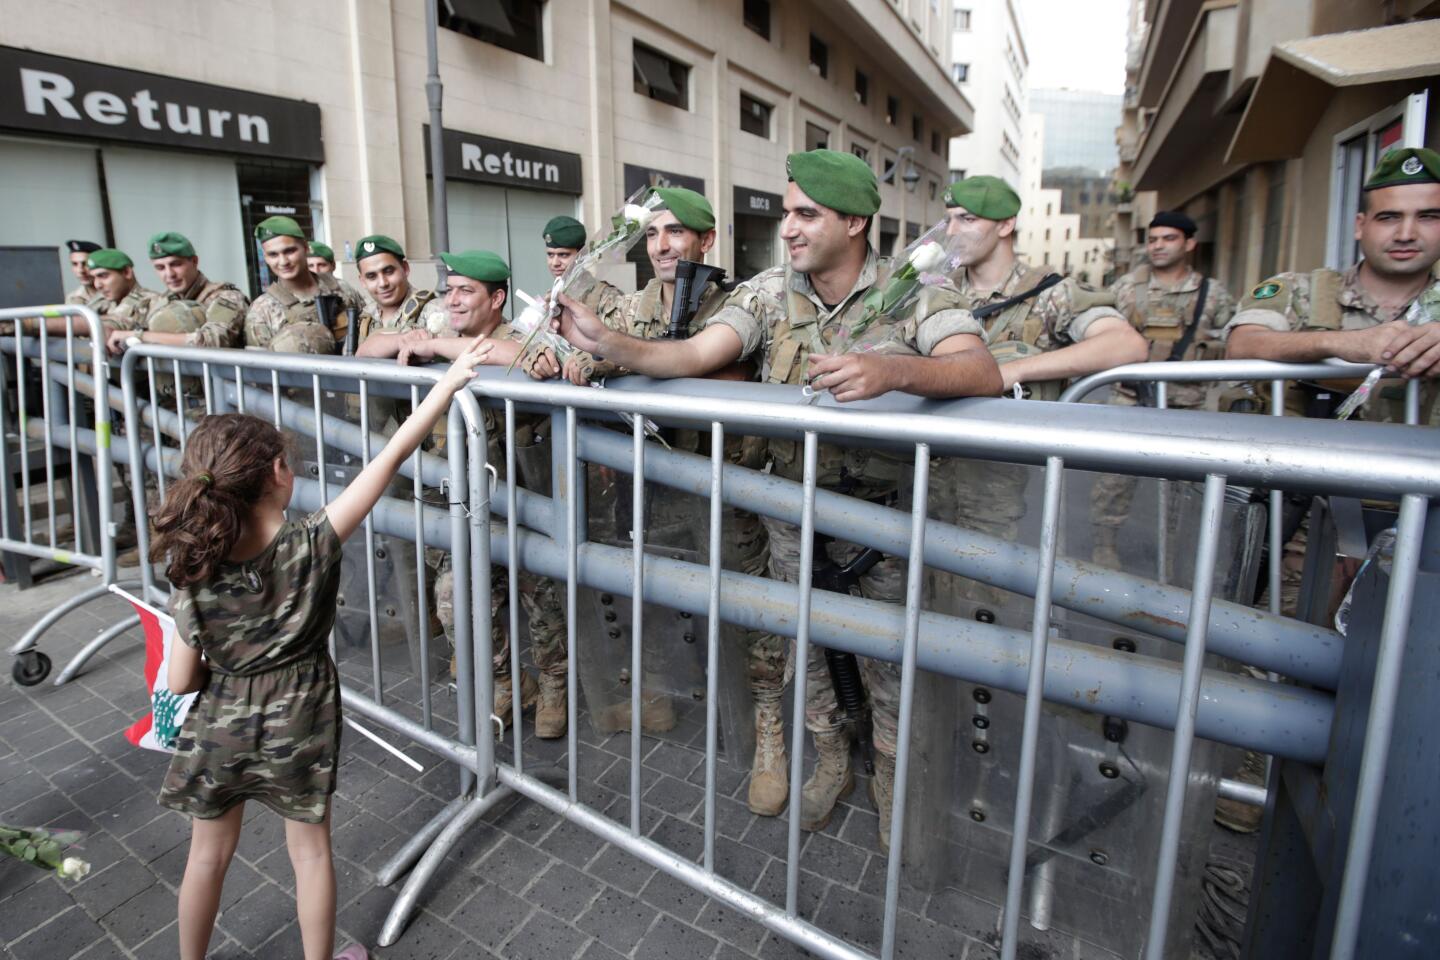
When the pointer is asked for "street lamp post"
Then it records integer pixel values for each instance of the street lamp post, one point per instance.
(911, 178)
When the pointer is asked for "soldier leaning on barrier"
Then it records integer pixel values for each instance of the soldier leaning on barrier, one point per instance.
(1180, 313)
(221, 314)
(398, 306)
(80, 251)
(564, 239)
(795, 317)
(475, 293)
(300, 312)
(1360, 315)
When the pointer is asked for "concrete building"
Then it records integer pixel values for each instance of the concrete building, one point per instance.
(1262, 119)
(1134, 209)
(1079, 128)
(120, 119)
(990, 63)
(1046, 232)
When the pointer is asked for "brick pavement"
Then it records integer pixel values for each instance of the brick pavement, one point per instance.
(521, 884)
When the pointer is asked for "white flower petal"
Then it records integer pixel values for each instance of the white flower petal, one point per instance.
(927, 257)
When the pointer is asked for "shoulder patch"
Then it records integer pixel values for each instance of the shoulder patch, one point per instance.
(1267, 290)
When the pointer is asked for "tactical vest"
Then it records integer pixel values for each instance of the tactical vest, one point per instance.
(307, 311)
(1161, 332)
(414, 302)
(216, 310)
(1015, 332)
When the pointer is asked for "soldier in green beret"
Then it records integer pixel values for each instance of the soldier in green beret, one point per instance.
(224, 306)
(398, 307)
(564, 239)
(811, 319)
(126, 304)
(290, 316)
(321, 258)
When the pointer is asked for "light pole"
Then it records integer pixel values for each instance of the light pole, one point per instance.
(911, 177)
(434, 94)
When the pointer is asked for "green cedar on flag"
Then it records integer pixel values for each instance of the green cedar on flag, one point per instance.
(158, 728)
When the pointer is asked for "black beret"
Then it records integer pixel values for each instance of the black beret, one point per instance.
(1175, 220)
(82, 246)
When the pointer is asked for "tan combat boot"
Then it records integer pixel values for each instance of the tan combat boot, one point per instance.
(769, 780)
(831, 780)
(1243, 817)
(1106, 547)
(882, 793)
(551, 716)
(529, 693)
(657, 715)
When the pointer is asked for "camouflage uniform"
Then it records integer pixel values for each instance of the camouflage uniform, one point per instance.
(281, 320)
(544, 608)
(225, 308)
(779, 311)
(420, 310)
(133, 309)
(266, 726)
(82, 295)
(1325, 300)
(1162, 315)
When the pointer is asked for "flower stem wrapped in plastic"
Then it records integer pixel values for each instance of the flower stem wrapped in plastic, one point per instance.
(627, 227)
(925, 261)
(46, 849)
(1423, 309)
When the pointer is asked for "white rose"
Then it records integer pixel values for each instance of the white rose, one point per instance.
(927, 257)
(438, 324)
(73, 868)
(634, 213)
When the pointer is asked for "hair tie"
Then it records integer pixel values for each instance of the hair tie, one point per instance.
(204, 479)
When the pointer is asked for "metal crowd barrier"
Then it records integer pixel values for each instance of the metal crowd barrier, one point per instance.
(546, 535)
(40, 363)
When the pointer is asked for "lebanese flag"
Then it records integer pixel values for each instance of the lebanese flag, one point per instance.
(157, 729)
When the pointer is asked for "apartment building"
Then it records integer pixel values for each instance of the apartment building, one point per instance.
(990, 64)
(123, 118)
(1262, 118)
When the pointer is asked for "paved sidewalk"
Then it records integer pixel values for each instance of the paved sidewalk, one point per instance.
(521, 884)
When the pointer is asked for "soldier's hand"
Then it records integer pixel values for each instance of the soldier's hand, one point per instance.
(540, 364)
(578, 324)
(419, 333)
(502, 352)
(419, 350)
(1414, 351)
(116, 340)
(850, 376)
(577, 371)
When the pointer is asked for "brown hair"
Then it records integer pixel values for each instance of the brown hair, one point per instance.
(225, 472)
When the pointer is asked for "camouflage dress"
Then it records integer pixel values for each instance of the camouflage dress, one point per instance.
(267, 724)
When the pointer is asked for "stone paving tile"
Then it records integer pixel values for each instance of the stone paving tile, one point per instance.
(617, 919)
(543, 937)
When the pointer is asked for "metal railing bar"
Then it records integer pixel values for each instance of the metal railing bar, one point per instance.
(637, 612)
(573, 535)
(803, 587)
(422, 591)
(712, 636)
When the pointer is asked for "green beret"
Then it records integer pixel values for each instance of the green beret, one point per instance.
(989, 198)
(478, 265)
(170, 244)
(689, 207)
(373, 244)
(1407, 165)
(108, 258)
(272, 227)
(566, 232)
(317, 249)
(841, 181)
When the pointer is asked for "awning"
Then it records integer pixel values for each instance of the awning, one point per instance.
(1302, 75)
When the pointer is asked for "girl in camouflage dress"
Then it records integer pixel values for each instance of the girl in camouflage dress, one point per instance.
(254, 602)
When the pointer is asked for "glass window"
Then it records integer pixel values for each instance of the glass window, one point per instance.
(917, 126)
(755, 116)
(515, 25)
(819, 56)
(1274, 219)
(862, 88)
(757, 16)
(862, 152)
(935, 141)
(816, 137)
(661, 78)
(962, 19)
(960, 71)
(892, 110)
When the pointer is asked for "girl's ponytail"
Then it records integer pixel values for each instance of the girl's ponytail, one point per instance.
(225, 472)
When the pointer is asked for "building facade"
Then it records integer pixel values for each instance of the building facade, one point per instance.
(1262, 119)
(989, 63)
(1079, 129)
(205, 118)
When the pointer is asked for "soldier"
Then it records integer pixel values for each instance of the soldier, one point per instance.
(80, 251)
(475, 292)
(223, 305)
(398, 306)
(813, 324)
(127, 305)
(564, 239)
(322, 262)
(289, 316)
(1181, 314)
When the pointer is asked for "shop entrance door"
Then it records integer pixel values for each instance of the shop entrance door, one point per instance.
(508, 221)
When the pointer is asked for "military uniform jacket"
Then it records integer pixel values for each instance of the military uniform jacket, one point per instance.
(1162, 315)
(778, 311)
(1330, 300)
(278, 306)
(82, 295)
(133, 310)
(1054, 318)
(420, 310)
(225, 308)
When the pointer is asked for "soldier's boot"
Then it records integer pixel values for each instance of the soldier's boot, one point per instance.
(769, 779)
(1243, 817)
(529, 693)
(831, 780)
(1106, 547)
(882, 795)
(657, 715)
(552, 714)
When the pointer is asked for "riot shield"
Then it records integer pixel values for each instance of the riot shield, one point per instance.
(1100, 782)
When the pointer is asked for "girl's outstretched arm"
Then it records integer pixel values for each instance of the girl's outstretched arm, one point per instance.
(347, 511)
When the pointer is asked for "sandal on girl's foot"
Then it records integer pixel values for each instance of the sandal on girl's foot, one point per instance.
(353, 952)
